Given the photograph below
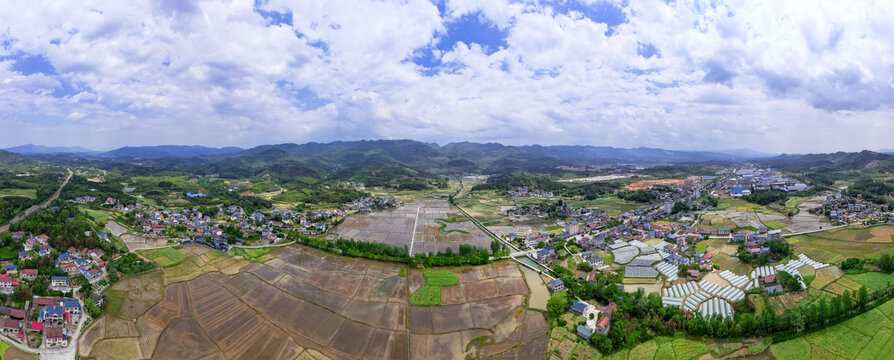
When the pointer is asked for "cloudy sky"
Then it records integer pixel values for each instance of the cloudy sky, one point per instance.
(777, 76)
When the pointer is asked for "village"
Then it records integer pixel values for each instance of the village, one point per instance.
(220, 227)
(656, 246)
(49, 321)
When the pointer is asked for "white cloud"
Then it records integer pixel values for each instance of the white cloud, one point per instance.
(779, 76)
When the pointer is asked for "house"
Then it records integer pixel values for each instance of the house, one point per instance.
(60, 282)
(55, 338)
(609, 309)
(739, 236)
(769, 279)
(723, 231)
(774, 289)
(603, 325)
(71, 306)
(578, 308)
(35, 326)
(584, 331)
(70, 268)
(774, 234)
(693, 273)
(29, 274)
(93, 275)
(12, 328)
(41, 302)
(556, 285)
(7, 284)
(11, 269)
(24, 255)
(53, 315)
(740, 192)
(17, 314)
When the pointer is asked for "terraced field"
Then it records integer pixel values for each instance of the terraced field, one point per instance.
(306, 304)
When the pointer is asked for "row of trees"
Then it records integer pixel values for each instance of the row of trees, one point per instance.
(467, 254)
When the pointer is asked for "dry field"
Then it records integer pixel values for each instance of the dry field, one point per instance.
(310, 305)
(414, 223)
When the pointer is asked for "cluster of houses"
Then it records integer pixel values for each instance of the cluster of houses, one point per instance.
(596, 320)
(524, 191)
(743, 182)
(754, 240)
(87, 262)
(46, 316)
(201, 228)
(848, 209)
(367, 204)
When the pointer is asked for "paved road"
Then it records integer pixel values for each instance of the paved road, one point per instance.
(36, 207)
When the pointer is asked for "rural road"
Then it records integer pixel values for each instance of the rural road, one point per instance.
(34, 208)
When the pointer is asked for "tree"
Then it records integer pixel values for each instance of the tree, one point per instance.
(494, 247)
(557, 304)
(863, 297)
(886, 263)
(797, 320)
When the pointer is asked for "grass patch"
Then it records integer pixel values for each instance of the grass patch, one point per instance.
(164, 257)
(774, 224)
(554, 227)
(440, 278)
(25, 193)
(872, 280)
(253, 255)
(430, 294)
(403, 272)
(454, 218)
(426, 296)
(716, 221)
(742, 205)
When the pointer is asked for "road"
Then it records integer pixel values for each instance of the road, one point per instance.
(34, 208)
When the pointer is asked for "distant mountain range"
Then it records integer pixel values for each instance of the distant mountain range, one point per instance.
(31, 149)
(168, 151)
(409, 157)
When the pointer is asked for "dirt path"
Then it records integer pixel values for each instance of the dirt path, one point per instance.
(36, 207)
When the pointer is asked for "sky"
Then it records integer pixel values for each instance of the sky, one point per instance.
(773, 76)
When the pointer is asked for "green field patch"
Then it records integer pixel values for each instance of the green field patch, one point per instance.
(774, 224)
(114, 301)
(430, 294)
(454, 218)
(643, 351)
(797, 348)
(164, 257)
(665, 351)
(742, 205)
(876, 348)
(872, 280)
(25, 193)
(253, 255)
(440, 278)
(688, 349)
(426, 296)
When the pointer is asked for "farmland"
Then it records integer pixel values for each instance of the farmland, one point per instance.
(833, 246)
(164, 257)
(866, 336)
(25, 193)
(417, 223)
(209, 305)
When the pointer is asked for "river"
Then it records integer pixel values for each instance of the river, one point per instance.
(539, 292)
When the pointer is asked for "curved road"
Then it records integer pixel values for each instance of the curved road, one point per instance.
(36, 207)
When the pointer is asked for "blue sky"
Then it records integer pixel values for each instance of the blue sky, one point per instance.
(792, 76)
